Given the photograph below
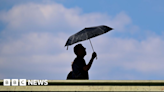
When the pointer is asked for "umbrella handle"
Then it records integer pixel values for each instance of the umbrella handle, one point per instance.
(92, 47)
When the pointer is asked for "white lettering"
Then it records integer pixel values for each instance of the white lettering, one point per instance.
(40, 82)
(37, 82)
(45, 82)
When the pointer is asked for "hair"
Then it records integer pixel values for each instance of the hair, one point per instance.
(77, 47)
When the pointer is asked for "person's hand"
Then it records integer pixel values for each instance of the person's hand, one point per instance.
(94, 55)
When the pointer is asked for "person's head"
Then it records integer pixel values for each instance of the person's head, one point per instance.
(79, 50)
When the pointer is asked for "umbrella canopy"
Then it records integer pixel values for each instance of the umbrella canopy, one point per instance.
(87, 33)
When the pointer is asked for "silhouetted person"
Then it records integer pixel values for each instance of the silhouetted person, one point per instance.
(79, 67)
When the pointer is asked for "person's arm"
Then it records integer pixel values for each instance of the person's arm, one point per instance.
(87, 67)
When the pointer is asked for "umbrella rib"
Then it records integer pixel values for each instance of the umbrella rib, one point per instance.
(100, 29)
(72, 39)
(86, 34)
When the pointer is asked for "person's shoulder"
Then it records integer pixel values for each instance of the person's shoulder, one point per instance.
(77, 60)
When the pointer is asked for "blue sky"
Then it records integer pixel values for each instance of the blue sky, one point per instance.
(33, 34)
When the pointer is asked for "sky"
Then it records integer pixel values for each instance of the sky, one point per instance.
(33, 34)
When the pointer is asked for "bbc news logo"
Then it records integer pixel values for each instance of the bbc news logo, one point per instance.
(22, 82)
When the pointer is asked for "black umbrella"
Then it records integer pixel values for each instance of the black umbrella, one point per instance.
(86, 34)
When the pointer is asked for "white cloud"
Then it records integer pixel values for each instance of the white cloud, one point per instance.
(33, 17)
(144, 56)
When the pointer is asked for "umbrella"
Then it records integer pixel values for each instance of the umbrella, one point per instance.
(86, 34)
